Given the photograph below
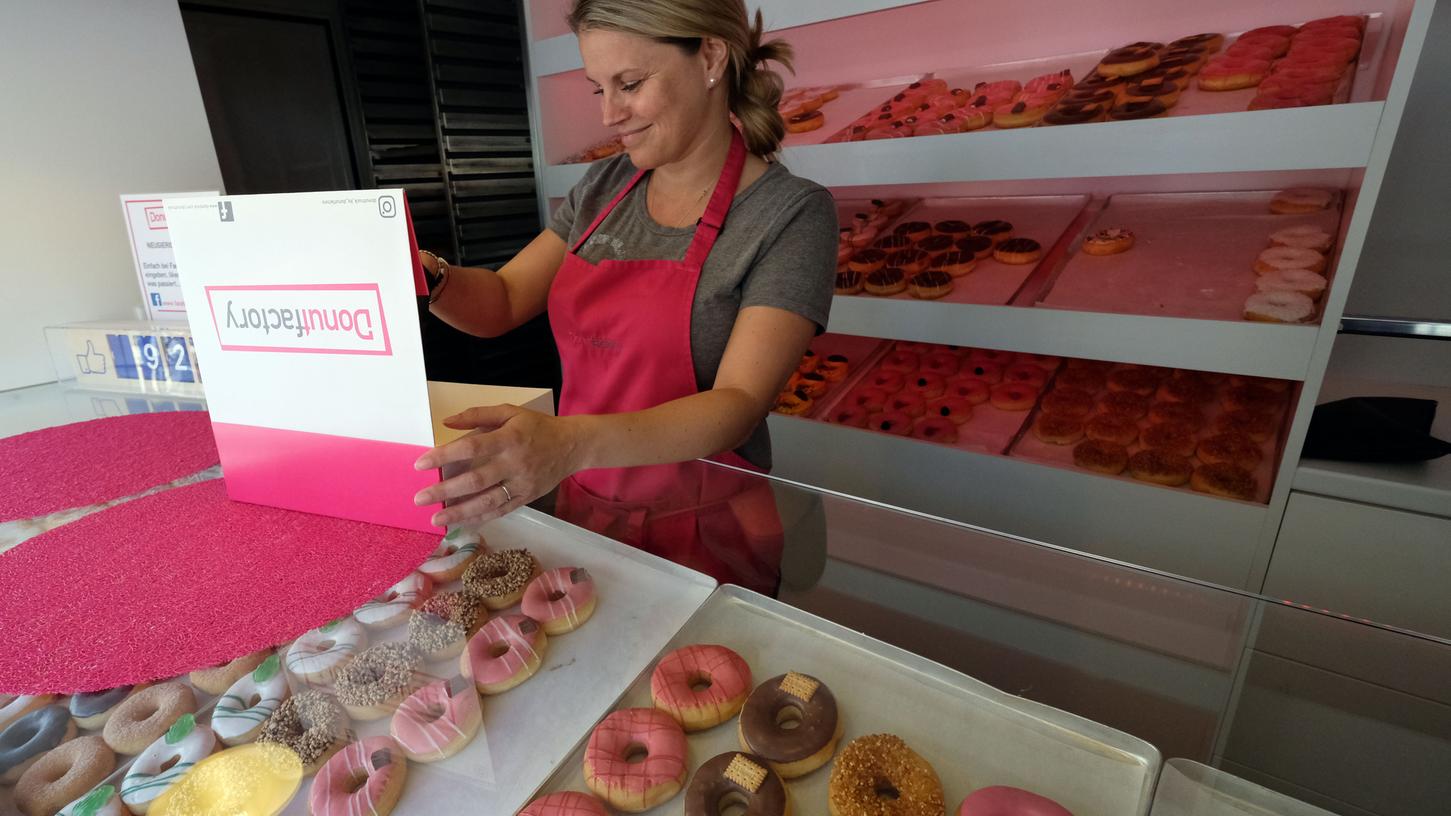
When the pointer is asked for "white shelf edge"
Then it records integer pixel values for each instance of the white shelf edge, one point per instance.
(1249, 141)
(1253, 349)
(556, 55)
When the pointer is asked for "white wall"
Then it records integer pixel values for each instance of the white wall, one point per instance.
(99, 98)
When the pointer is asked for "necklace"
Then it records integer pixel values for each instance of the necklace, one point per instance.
(650, 190)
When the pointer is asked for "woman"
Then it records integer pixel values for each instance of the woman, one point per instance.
(684, 279)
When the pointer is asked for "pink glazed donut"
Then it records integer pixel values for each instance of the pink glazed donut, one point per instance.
(505, 653)
(701, 686)
(566, 803)
(382, 769)
(560, 599)
(1001, 800)
(626, 735)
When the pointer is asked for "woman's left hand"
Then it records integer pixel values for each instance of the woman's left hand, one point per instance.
(523, 455)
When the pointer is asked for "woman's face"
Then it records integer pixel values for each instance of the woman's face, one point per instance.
(653, 95)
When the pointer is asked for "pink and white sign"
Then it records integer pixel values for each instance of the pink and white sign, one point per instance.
(305, 318)
(151, 252)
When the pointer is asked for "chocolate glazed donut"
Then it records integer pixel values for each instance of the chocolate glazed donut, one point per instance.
(791, 699)
(736, 779)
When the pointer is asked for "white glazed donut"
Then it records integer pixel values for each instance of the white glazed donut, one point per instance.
(392, 607)
(322, 651)
(102, 800)
(243, 708)
(1280, 258)
(454, 554)
(13, 708)
(182, 746)
(1305, 236)
(1304, 281)
(1279, 307)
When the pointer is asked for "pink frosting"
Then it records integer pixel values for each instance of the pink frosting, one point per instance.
(567, 803)
(378, 757)
(577, 590)
(670, 684)
(1001, 800)
(606, 755)
(521, 634)
(423, 734)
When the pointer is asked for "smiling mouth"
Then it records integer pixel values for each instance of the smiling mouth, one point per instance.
(630, 136)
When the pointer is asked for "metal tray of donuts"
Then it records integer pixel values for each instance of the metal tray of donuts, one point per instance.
(972, 734)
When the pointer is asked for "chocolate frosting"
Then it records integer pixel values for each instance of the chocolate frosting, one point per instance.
(885, 277)
(848, 279)
(930, 278)
(975, 244)
(992, 227)
(895, 241)
(89, 704)
(953, 258)
(1019, 245)
(1074, 113)
(912, 226)
(869, 256)
(952, 225)
(776, 744)
(1138, 110)
(709, 788)
(935, 243)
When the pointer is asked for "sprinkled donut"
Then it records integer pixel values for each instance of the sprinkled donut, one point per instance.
(561, 600)
(878, 774)
(63, 775)
(317, 655)
(165, 761)
(808, 706)
(1001, 800)
(311, 724)
(740, 779)
(565, 803)
(499, 578)
(30, 736)
(372, 684)
(146, 715)
(455, 552)
(249, 702)
(393, 606)
(13, 708)
(505, 653)
(363, 779)
(625, 735)
(438, 720)
(441, 627)
(701, 686)
(216, 679)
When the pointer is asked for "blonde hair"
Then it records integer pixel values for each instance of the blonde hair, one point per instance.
(754, 90)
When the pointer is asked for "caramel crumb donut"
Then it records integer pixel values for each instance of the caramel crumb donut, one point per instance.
(500, 577)
(1225, 479)
(1230, 448)
(1160, 467)
(311, 724)
(878, 774)
(1101, 456)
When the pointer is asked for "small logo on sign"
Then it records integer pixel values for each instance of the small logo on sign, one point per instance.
(224, 208)
(387, 207)
(155, 218)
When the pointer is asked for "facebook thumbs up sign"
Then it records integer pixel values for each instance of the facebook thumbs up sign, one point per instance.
(92, 362)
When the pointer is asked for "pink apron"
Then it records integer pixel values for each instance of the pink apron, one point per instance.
(623, 331)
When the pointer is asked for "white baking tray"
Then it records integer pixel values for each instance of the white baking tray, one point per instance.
(973, 734)
(1187, 788)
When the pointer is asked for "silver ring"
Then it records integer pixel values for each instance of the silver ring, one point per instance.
(507, 497)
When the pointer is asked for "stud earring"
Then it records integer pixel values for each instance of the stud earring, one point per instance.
(711, 82)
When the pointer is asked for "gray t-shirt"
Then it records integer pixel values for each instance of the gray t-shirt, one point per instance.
(778, 248)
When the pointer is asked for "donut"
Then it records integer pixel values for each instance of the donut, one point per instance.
(791, 721)
(952, 227)
(145, 716)
(1020, 114)
(372, 684)
(893, 243)
(1158, 88)
(914, 230)
(910, 261)
(102, 800)
(1076, 112)
(1182, 413)
(635, 759)
(1068, 402)
(941, 363)
(13, 708)
(455, 552)
(926, 385)
(63, 775)
(1190, 389)
(988, 372)
(742, 781)
(878, 774)
(1081, 379)
(1231, 449)
(1252, 398)
(1301, 200)
(320, 652)
(1127, 404)
(997, 92)
(1058, 429)
(835, 367)
(849, 283)
(311, 724)
(1001, 800)
(1129, 60)
(1112, 428)
(805, 121)
(930, 285)
(794, 403)
(969, 390)
(980, 246)
(1110, 241)
(888, 381)
(1280, 258)
(1018, 251)
(1142, 109)
(1013, 396)
(909, 402)
(1025, 373)
(1096, 82)
(217, 679)
(997, 229)
(1279, 307)
(853, 415)
(1172, 437)
(438, 720)
(242, 709)
(1137, 380)
(892, 422)
(700, 686)
(1230, 73)
(936, 429)
(23, 742)
(500, 577)
(259, 778)
(363, 779)
(888, 281)
(565, 803)
(393, 606)
(867, 261)
(1257, 425)
(1202, 42)
(1160, 467)
(561, 600)
(1225, 479)
(902, 361)
(92, 709)
(441, 627)
(954, 409)
(165, 761)
(1303, 281)
(1304, 236)
(813, 385)
(505, 652)
(955, 263)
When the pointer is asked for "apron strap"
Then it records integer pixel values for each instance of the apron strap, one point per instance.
(639, 174)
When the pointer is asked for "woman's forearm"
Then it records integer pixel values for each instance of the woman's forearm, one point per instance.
(691, 427)
(476, 301)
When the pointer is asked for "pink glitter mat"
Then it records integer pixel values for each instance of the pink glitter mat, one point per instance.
(85, 463)
(180, 580)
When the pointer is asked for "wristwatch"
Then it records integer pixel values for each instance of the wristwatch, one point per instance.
(436, 278)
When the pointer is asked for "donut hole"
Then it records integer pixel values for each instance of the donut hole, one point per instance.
(55, 774)
(789, 718)
(498, 649)
(325, 645)
(253, 700)
(355, 782)
(886, 791)
(146, 711)
(699, 682)
(432, 713)
(733, 803)
(635, 753)
(388, 597)
(496, 571)
(554, 595)
(168, 764)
